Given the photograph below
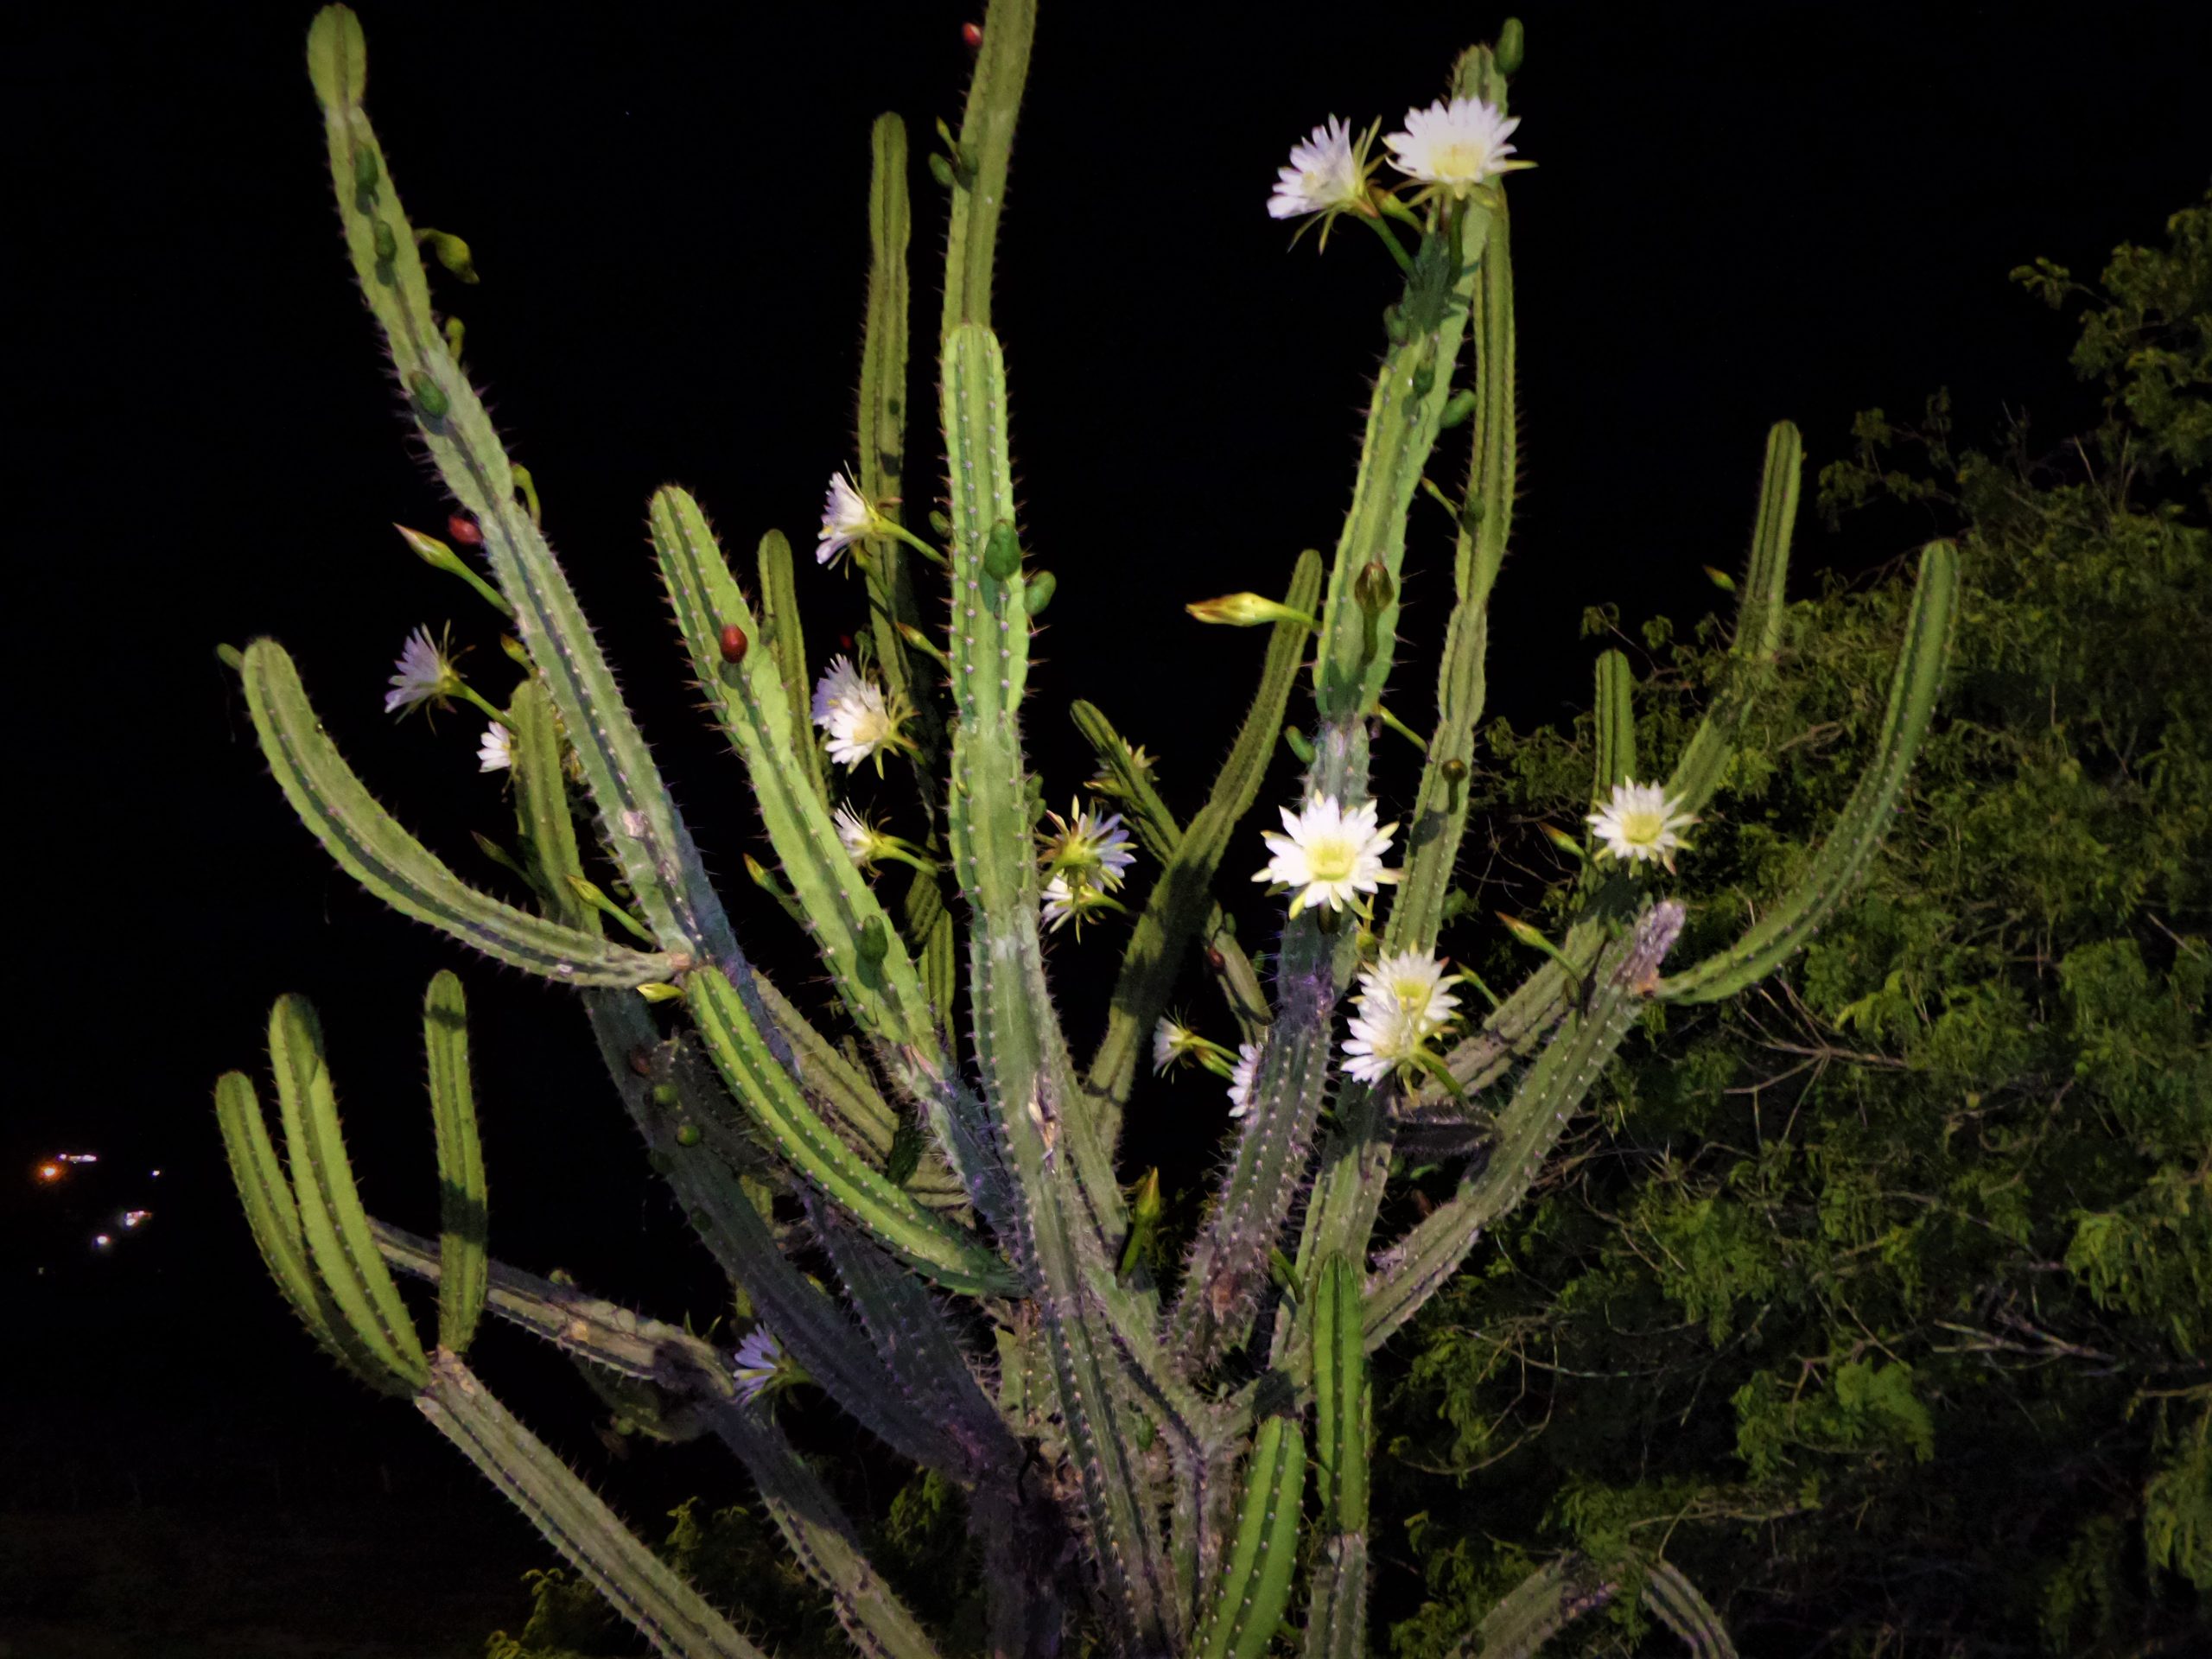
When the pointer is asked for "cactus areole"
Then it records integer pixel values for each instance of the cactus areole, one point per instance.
(1167, 1452)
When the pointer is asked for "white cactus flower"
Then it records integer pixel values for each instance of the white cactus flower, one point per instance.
(1639, 823)
(1326, 855)
(1171, 1042)
(847, 516)
(497, 752)
(853, 711)
(1327, 174)
(424, 673)
(863, 841)
(755, 1363)
(1087, 846)
(1240, 1077)
(1455, 146)
(1403, 1003)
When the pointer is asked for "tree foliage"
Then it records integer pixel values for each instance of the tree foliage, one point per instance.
(1883, 1297)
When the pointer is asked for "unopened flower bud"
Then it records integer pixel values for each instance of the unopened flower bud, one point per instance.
(462, 529)
(941, 169)
(431, 549)
(659, 991)
(972, 35)
(387, 244)
(430, 396)
(733, 642)
(1510, 46)
(1246, 611)
(641, 1060)
(1461, 406)
(687, 1134)
(941, 525)
(1036, 593)
(1002, 552)
(874, 942)
(1720, 579)
(365, 171)
(1454, 771)
(451, 252)
(517, 649)
(1373, 588)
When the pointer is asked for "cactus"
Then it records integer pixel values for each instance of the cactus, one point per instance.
(948, 1195)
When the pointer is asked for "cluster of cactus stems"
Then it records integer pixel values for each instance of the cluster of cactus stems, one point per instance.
(929, 1223)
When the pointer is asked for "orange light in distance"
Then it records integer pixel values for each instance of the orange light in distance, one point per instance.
(49, 1172)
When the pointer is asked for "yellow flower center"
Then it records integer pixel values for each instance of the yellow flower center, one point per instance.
(1643, 828)
(1460, 160)
(1333, 858)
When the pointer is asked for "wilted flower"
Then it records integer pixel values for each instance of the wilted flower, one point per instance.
(847, 516)
(1075, 901)
(1640, 823)
(1327, 175)
(424, 673)
(756, 1363)
(1455, 146)
(1240, 1078)
(1086, 847)
(1327, 855)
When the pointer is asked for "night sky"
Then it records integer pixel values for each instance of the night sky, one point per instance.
(1737, 215)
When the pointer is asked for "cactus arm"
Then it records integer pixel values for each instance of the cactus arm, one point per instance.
(273, 1215)
(786, 641)
(1561, 1591)
(880, 986)
(1411, 1270)
(1161, 835)
(1615, 731)
(639, 822)
(370, 845)
(335, 1226)
(1759, 611)
(880, 426)
(1061, 1225)
(1255, 1586)
(818, 1533)
(915, 1339)
(461, 1197)
(1181, 898)
(986, 144)
(803, 1316)
(666, 1611)
(1537, 1609)
(1336, 1626)
(917, 1235)
(1858, 831)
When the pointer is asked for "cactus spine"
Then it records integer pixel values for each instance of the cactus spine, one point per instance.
(951, 1193)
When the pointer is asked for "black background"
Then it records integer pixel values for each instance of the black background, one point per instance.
(1739, 215)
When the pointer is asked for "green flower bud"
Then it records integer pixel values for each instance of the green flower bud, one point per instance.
(941, 525)
(1461, 406)
(451, 252)
(664, 1095)
(1424, 379)
(387, 244)
(687, 1134)
(1294, 740)
(365, 171)
(1510, 46)
(941, 170)
(430, 396)
(1038, 592)
(1002, 552)
(1454, 771)
(1246, 611)
(873, 943)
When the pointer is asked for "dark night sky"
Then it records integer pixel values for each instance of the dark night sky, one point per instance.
(1739, 214)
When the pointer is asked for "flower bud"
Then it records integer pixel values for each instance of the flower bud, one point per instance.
(387, 244)
(1002, 552)
(664, 1095)
(1455, 411)
(874, 942)
(641, 1060)
(365, 171)
(430, 396)
(1720, 579)
(1510, 46)
(448, 251)
(462, 529)
(1454, 772)
(972, 35)
(941, 169)
(733, 642)
(687, 1134)
(1246, 611)
(659, 991)
(1036, 593)
(941, 525)
(1215, 960)
(1373, 588)
(516, 650)
(431, 549)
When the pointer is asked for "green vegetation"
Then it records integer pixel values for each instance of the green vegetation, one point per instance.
(1881, 1299)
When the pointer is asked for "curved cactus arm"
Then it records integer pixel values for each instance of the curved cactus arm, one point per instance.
(1561, 1591)
(639, 822)
(637, 1584)
(979, 168)
(370, 845)
(1615, 731)
(914, 1338)
(1254, 1585)
(867, 957)
(1182, 899)
(273, 1215)
(335, 1226)
(461, 1196)
(1783, 929)
(1759, 611)
(817, 1531)
(678, 1089)
(1159, 833)
(917, 1235)
(1539, 1608)
(1410, 1271)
